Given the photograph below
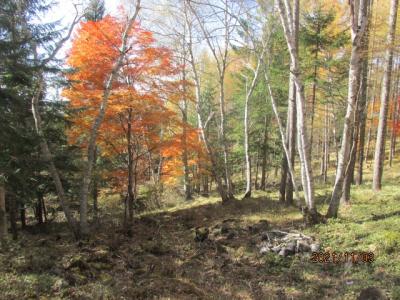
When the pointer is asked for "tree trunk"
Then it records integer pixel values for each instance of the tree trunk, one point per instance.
(359, 112)
(160, 162)
(95, 187)
(286, 188)
(22, 215)
(223, 191)
(38, 93)
(291, 138)
(187, 183)
(39, 208)
(363, 105)
(87, 173)
(13, 217)
(3, 216)
(283, 139)
(325, 154)
(44, 210)
(284, 177)
(381, 132)
(227, 171)
(256, 184)
(313, 98)
(205, 192)
(48, 158)
(264, 155)
(131, 175)
(359, 21)
(371, 119)
(349, 176)
(247, 193)
(184, 111)
(302, 137)
(395, 118)
(335, 141)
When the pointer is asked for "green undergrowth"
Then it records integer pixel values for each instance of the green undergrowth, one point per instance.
(162, 260)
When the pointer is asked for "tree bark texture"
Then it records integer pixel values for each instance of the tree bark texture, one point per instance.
(359, 22)
(387, 78)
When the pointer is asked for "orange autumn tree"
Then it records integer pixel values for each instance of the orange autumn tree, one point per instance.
(172, 153)
(184, 158)
(132, 139)
(131, 133)
(98, 53)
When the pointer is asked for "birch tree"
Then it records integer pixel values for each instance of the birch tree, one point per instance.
(395, 118)
(385, 93)
(283, 139)
(250, 84)
(87, 173)
(218, 40)
(39, 91)
(191, 41)
(288, 24)
(363, 98)
(286, 187)
(359, 21)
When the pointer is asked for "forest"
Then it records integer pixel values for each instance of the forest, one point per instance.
(199, 149)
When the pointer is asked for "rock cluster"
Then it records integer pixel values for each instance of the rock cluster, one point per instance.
(259, 234)
(286, 243)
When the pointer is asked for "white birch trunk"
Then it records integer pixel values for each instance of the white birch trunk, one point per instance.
(220, 54)
(359, 21)
(302, 138)
(283, 140)
(387, 77)
(202, 125)
(249, 92)
(247, 193)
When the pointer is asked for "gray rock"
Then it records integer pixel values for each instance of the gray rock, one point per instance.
(265, 250)
(265, 236)
(302, 246)
(264, 244)
(282, 252)
(285, 252)
(291, 246)
(276, 249)
(315, 247)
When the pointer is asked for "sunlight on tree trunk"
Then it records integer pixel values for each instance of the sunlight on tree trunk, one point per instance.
(359, 22)
(379, 157)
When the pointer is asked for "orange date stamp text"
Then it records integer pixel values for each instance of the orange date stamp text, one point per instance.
(336, 257)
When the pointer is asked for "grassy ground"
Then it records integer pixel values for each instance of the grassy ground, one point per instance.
(163, 261)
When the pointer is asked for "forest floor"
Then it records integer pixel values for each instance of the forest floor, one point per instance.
(163, 261)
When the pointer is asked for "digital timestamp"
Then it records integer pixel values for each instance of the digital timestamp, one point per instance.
(342, 257)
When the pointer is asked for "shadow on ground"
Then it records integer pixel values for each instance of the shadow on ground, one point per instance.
(164, 261)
